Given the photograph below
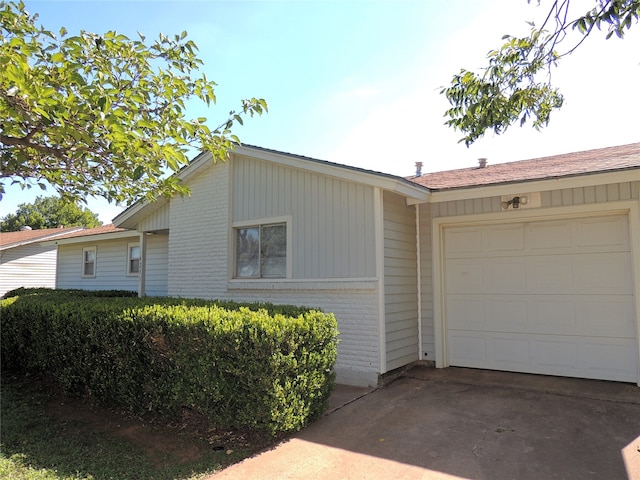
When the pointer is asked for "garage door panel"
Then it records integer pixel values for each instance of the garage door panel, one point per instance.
(603, 316)
(466, 313)
(463, 240)
(549, 236)
(556, 354)
(507, 315)
(585, 315)
(616, 360)
(509, 350)
(464, 277)
(505, 275)
(554, 316)
(505, 238)
(551, 274)
(606, 273)
(550, 297)
(604, 231)
(603, 273)
(468, 350)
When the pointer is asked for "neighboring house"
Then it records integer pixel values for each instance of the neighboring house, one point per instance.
(25, 262)
(530, 266)
(106, 258)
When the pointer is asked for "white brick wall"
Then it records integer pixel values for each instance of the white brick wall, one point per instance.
(198, 240)
(356, 312)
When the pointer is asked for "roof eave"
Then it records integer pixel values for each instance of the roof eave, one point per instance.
(44, 238)
(552, 183)
(96, 237)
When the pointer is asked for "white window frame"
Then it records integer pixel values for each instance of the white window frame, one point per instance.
(129, 258)
(263, 222)
(83, 263)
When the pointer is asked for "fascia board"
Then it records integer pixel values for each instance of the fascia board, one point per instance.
(587, 180)
(94, 238)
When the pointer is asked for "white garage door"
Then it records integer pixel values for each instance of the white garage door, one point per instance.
(549, 297)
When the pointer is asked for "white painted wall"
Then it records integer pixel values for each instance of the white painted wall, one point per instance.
(426, 283)
(157, 265)
(30, 265)
(400, 282)
(111, 266)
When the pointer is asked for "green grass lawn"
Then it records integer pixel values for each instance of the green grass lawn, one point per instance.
(46, 436)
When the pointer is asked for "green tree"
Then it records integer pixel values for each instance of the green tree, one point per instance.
(49, 212)
(515, 86)
(102, 115)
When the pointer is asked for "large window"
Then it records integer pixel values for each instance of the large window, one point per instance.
(89, 258)
(133, 259)
(261, 251)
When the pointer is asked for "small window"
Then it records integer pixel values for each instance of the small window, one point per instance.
(133, 259)
(261, 251)
(89, 257)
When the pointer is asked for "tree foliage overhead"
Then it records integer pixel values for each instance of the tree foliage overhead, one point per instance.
(102, 115)
(515, 86)
(49, 212)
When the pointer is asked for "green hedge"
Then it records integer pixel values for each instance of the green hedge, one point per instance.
(262, 366)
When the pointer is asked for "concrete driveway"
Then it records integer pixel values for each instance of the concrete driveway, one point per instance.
(461, 423)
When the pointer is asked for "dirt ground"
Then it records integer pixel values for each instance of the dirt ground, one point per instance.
(185, 439)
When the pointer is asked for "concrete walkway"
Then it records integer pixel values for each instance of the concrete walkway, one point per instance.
(461, 423)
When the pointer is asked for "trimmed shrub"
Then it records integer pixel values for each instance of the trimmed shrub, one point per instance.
(262, 366)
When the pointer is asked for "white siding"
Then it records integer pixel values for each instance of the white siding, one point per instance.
(551, 198)
(426, 283)
(157, 265)
(27, 266)
(332, 219)
(157, 220)
(111, 266)
(400, 282)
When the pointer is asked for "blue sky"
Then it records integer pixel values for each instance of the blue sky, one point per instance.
(357, 82)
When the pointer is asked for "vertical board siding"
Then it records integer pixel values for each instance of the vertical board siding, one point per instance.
(111, 266)
(400, 282)
(27, 266)
(426, 283)
(157, 220)
(332, 219)
(550, 198)
(156, 268)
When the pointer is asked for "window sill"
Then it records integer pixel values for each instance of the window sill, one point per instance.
(300, 284)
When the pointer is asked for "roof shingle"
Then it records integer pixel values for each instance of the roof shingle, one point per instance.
(9, 239)
(601, 160)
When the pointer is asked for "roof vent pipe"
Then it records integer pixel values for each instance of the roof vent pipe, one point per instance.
(418, 169)
(482, 162)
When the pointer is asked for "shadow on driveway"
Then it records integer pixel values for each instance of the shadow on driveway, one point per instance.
(429, 426)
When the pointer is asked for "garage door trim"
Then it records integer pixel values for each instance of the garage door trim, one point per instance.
(629, 208)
